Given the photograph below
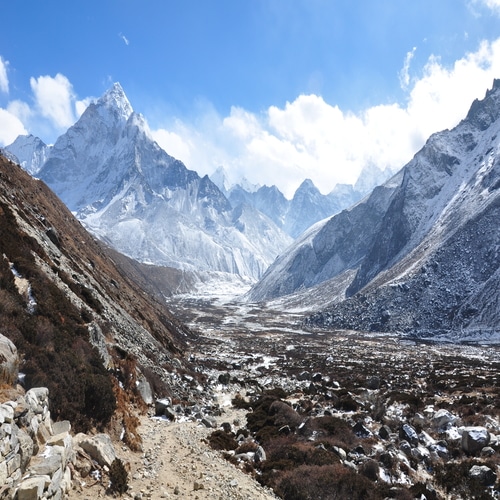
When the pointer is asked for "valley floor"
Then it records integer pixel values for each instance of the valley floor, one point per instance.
(388, 379)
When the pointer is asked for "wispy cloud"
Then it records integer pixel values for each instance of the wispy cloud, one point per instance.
(404, 75)
(4, 80)
(124, 38)
(493, 5)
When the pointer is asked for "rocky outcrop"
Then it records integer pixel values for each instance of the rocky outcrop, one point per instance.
(34, 461)
(9, 361)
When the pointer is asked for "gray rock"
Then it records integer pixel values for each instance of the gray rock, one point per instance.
(9, 361)
(373, 383)
(405, 447)
(487, 451)
(60, 427)
(260, 455)
(26, 448)
(32, 488)
(361, 431)
(145, 391)
(474, 439)
(443, 418)
(408, 433)
(483, 474)
(209, 422)
(45, 465)
(6, 413)
(384, 432)
(100, 448)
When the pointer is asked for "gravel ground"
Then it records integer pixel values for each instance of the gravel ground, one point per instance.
(177, 462)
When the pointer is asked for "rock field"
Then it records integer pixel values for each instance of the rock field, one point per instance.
(319, 415)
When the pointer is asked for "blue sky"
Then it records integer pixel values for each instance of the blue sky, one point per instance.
(275, 90)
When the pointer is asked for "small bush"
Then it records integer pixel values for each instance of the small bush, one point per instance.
(332, 482)
(118, 477)
(219, 440)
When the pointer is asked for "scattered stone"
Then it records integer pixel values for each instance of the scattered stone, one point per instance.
(443, 418)
(483, 474)
(198, 486)
(361, 431)
(373, 383)
(408, 433)
(99, 447)
(474, 439)
(384, 432)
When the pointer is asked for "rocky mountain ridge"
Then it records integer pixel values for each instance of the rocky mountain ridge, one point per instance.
(423, 257)
(146, 204)
(307, 206)
(79, 322)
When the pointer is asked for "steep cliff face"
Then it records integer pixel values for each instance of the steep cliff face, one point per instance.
(329, 248)
(79, 322)
(423, 248)
(434, 268)
(130, 193)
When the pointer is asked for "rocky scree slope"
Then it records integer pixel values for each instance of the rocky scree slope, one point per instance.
(87, 332)
(130, 193)
(429, 259)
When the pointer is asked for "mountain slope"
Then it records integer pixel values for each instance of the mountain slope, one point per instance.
(148, 205)
(328, 248)
(31, 151)
(430, 266)
(79, 322)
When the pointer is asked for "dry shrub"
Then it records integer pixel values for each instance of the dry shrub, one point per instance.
(220, 440)
(125, 419)
(328, 482)
(247, 447)
(454, 478)
(284, 414)
(333, 430)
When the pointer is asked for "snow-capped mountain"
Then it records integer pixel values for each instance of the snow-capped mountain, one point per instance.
(129, 192)
(328, 248)
(308, 204)
(421, 254)
(30, 151)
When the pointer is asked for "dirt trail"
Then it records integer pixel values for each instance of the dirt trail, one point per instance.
(177, 462)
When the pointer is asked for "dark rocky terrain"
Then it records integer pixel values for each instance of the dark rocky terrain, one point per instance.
(420, 254)
(345, 414)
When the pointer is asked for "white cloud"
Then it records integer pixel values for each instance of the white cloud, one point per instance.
(309, 137)
(10, 127)
(4, 80)
(404, 75)
(494, 5)
(54, 108)
(54, 99)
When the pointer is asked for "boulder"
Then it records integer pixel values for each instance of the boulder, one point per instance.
(373, 383)
(32, 488)
(408, 433)
(100, 448)
(474, 439)
(26, 448)
(9, 362)
(384, 432)
(443, 418)
(361, 431)
(260, 455)
(483, 474)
